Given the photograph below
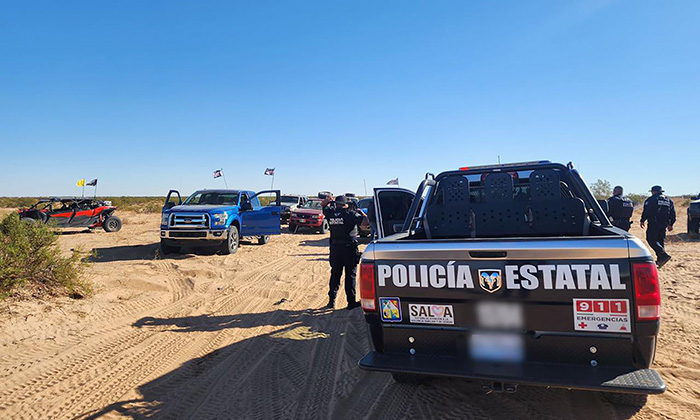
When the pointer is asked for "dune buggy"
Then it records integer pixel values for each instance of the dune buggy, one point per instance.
(71, 212)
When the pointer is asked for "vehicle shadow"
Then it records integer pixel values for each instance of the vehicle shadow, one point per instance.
(305, 366)
(323, 242)
(135, 253)
(74, 232)
(684, 237)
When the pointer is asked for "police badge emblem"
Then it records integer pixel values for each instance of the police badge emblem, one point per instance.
(490, 280)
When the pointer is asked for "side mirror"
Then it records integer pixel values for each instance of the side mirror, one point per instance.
(604, 205)
(169, 205)
(398, 227)
(247, 206)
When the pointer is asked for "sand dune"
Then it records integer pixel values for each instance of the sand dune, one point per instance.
(209, 336)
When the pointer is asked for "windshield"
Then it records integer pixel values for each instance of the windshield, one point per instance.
(312, 204)
(364, 203)
(289, 199)
(202, 198)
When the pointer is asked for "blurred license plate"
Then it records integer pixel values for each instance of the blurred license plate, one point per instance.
(497, 347)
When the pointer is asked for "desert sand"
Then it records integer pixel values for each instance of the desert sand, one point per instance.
(208, 336)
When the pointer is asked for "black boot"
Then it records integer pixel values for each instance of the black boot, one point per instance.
(663, 260)
(331, 304)
(353, 305)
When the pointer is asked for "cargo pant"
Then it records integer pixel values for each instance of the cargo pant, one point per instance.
(343, 257)
(656, 235)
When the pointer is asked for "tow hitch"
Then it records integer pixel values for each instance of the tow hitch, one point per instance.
(499, 387)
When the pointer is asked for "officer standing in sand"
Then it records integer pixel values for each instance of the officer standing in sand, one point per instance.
(344, 254)
(659, 211)
(620, 209)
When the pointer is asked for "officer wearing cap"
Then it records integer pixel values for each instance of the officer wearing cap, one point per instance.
(620, 209)
(661, 215)
(344, 254)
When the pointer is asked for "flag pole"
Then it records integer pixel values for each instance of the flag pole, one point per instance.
(272, 184)
(95, 196)
(83, 188)
(224, 175)
(365, 182)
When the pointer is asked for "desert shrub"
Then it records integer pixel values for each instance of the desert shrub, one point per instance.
(637, 199)
(601, 189)
(30, 261)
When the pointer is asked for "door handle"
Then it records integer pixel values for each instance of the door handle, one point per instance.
(488, 254)
(275, 213)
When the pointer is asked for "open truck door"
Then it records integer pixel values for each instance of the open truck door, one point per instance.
(259, 220)
(391, 206)
(172, 199)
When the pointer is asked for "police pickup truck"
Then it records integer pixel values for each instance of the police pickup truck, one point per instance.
(510, 274)
(217, 218)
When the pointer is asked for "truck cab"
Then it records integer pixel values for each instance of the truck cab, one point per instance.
(217, 218)
(510, 275)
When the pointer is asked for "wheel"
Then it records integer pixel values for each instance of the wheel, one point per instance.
(262, 240)
(112, 224)
(693, 225)
(166, 248)
(29, 220)
(407, 378)
(230, 245)
(626, 400)
(324, 227)
(292, 228)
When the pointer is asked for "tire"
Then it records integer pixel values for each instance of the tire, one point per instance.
(262, 240)
(292, 228)
(112, 224)
(626, 400)
(407, 378)
(166, 248)
(230, 245)
(693, 225)
(29, 220)
(324, 227)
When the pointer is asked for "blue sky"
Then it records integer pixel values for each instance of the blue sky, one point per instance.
(154, 95)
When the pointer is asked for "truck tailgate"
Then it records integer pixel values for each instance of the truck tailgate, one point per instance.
(533, 303)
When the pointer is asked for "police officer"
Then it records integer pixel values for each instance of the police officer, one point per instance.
(344, 254)
(659, 212)
(620, 209)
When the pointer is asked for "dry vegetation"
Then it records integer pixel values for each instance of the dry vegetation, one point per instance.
(31, 263)
(135, 204)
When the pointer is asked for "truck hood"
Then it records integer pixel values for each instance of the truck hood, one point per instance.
(201, 209)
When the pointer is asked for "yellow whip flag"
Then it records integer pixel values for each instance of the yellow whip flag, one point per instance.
(81, 182)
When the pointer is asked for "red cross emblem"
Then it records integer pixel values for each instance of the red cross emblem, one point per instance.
(583, 325)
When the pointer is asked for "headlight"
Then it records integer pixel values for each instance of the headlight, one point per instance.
(219, 218)
(165, 217)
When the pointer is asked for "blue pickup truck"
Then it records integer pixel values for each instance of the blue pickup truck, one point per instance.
(217, 218)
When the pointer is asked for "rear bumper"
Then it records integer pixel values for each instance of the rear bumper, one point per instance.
(609, 378)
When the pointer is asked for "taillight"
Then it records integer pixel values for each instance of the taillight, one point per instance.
(646, 288)
(367, 297)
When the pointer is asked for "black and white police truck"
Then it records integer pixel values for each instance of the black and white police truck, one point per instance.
(510, 274)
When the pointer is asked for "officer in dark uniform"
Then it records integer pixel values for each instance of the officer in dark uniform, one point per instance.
(620, 209)
(344, 254)
(661, 215)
